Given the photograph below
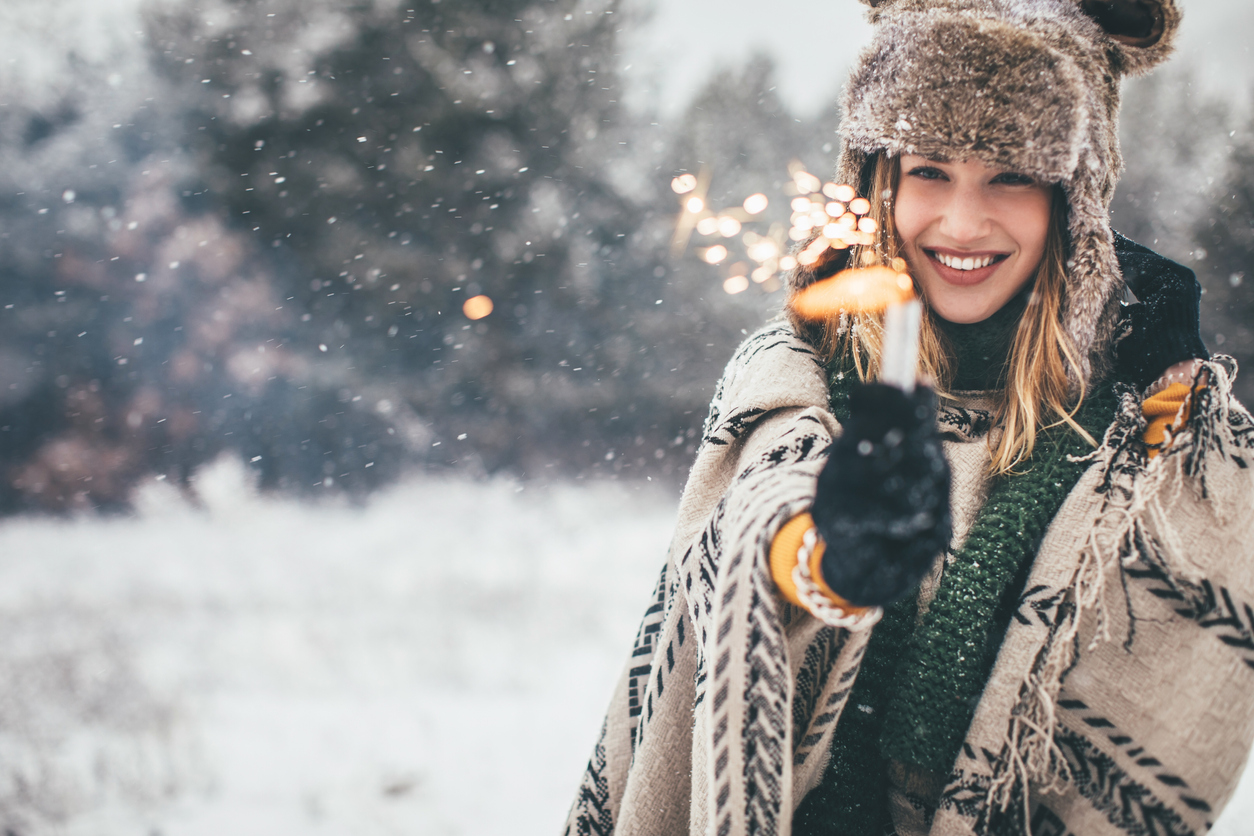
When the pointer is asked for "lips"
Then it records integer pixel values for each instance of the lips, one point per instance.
(964, 269)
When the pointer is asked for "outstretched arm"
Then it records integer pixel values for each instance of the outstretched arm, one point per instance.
(881, 507)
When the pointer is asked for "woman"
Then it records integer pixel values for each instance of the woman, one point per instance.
(1080, 659)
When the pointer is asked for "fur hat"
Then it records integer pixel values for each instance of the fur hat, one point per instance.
(1029, 85)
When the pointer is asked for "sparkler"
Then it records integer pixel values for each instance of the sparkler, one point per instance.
(842, 219)
(834, 209)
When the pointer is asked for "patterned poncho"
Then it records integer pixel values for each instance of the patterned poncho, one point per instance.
(1119, 703)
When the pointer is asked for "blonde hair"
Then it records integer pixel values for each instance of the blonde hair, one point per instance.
(1043, 361)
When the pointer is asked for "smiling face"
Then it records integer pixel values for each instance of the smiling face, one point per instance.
(972, 235)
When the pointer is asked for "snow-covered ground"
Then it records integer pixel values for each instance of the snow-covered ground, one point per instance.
(433, 663)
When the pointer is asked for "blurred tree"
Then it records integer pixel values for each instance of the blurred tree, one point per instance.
(1226, 234)
(739, 139)
(396, 162)
(267, 248)
(139, 333)
(1180, 195)
(88, 399)
(1174, 141)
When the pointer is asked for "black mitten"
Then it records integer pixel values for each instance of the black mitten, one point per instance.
(1166, 321)
(882, 503)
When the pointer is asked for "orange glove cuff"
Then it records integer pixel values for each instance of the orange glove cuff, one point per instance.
(784, 549)
(1165, 411)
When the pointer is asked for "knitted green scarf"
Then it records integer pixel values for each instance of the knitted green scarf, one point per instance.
(918, 686)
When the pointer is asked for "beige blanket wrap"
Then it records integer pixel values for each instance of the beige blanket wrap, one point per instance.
(1121, 702)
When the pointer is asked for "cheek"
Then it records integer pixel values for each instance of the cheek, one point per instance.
(909, 216)
(1031, 224)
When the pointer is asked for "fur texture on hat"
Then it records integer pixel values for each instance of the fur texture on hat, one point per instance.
(1028, 85)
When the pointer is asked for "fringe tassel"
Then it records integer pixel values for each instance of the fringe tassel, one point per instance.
(1137, 490)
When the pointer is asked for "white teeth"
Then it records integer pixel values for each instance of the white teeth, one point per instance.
(969, 263)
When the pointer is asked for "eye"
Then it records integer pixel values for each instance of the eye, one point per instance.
(1014, 178)
(926, 172)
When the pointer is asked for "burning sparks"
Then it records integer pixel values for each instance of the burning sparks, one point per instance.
(760, 248)
(715, 254)
(683, 184)
(755, 204)
(806, 182)
(858, 290)
(835, 210)
(477, 307)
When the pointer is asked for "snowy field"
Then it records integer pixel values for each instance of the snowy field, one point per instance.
(434, 663)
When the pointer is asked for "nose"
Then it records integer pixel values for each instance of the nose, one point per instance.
(965, 217)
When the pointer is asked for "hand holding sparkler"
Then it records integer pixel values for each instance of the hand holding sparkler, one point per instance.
(882, 500)
(1164, 323)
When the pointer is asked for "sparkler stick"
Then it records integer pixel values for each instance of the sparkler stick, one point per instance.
(899, 356)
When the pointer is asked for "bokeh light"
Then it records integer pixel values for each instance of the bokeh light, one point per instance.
(684, 183)
(755, 204)
(477, 307)
(715, 254)
(761, 249)
(806, 182)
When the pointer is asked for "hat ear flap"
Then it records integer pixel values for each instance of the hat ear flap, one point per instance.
(1142, 31)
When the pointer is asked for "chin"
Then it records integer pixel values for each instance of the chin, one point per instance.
(964, 313)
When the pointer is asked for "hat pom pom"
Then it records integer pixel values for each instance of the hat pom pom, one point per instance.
(1141, 32)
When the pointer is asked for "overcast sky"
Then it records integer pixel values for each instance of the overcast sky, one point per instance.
(814, 42)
